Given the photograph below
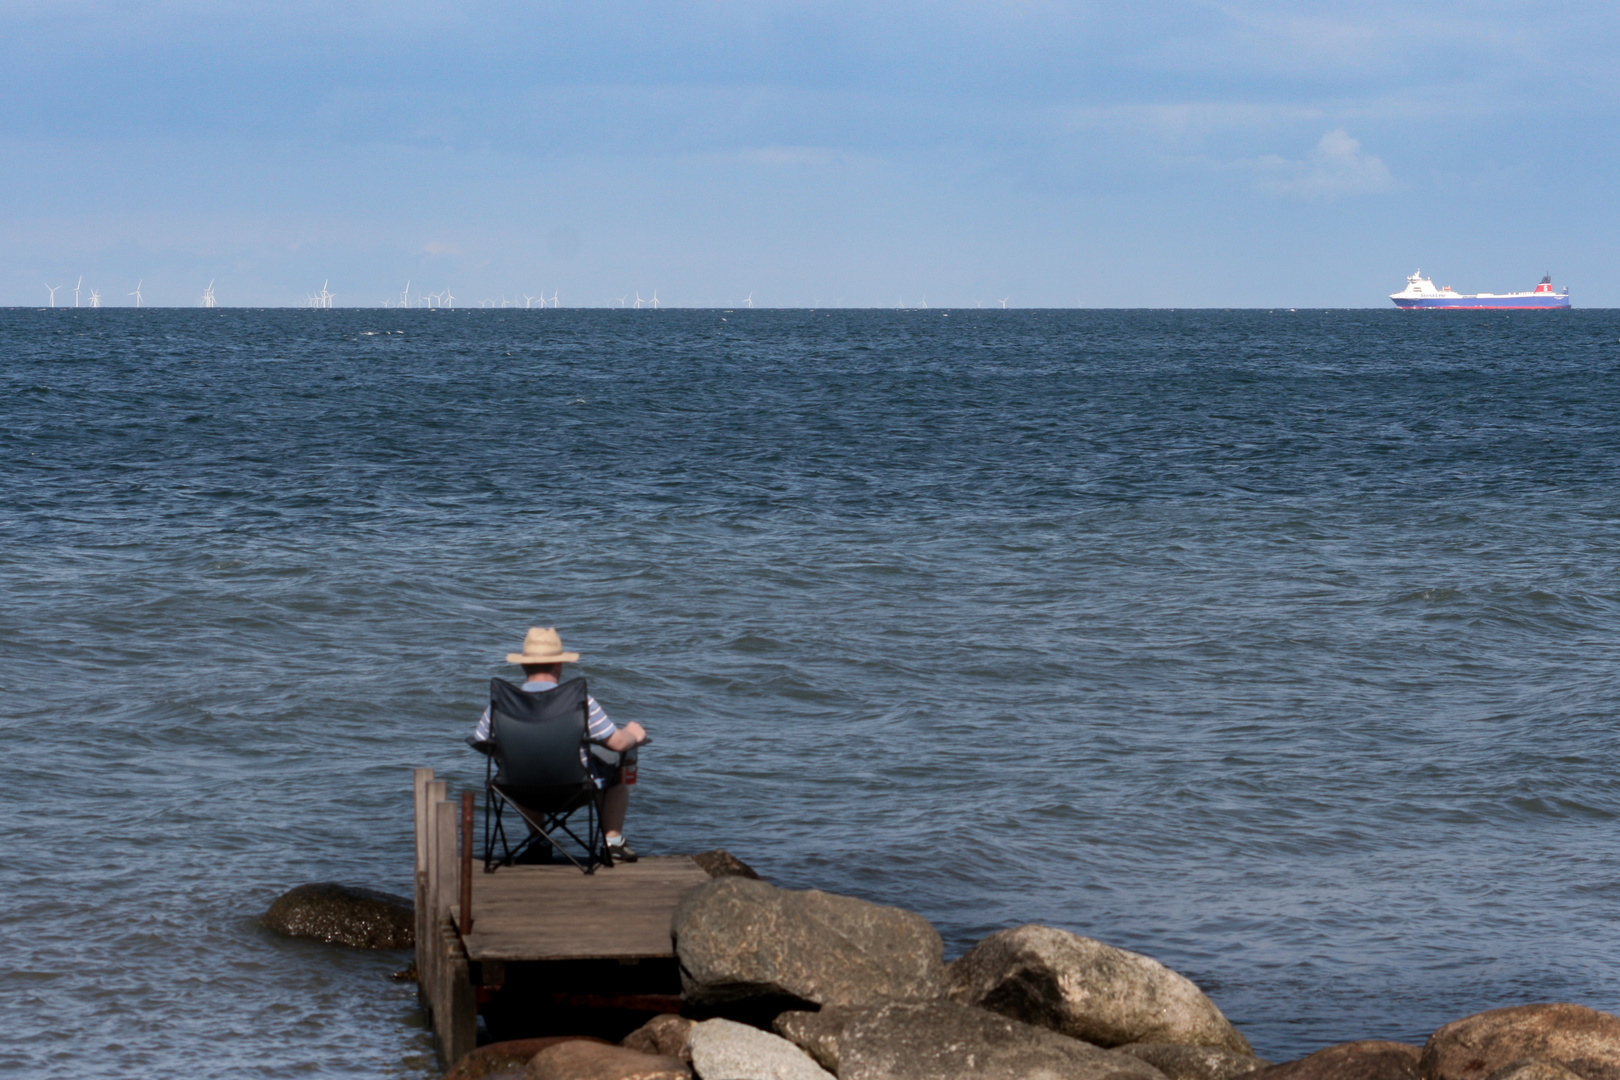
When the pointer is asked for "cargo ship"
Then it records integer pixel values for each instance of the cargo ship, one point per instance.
(1421, 293)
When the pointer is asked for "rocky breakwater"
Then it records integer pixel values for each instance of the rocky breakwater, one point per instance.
(789, 985)
(860, 991)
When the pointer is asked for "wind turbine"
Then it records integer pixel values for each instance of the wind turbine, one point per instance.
(554, 299)
(656, 305)
(76, 290)
(53, 289)
(137, 293)
(639, 300)
(95, 299)
(528, 301)
(449, 301)
(405, 297)
(623, 298)
(750, 300)
(208, 294)
(1004, 300)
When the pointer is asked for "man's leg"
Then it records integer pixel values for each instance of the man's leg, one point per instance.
(615, 801)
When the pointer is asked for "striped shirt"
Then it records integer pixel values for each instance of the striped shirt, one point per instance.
(600, 728)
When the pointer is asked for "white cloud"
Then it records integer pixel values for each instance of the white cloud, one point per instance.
(1336, 167)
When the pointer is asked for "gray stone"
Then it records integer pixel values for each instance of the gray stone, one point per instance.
(1095, 992)
(1365, 1059)
(724, 1050)
(747, 943)
(344, 915)
(1582, 1040)
(665, 1035)
(1181, 1062)
(928, 1040)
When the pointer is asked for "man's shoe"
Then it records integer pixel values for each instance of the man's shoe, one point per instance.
(621, 852)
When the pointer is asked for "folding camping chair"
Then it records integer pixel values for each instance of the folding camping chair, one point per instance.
(536, 765)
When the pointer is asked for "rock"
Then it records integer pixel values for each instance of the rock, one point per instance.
(1528, 1069)
(928, 1040)
(344, 915)
(1367, 1059)
(743, 942)
(510, 1058)
(578, 1059)
(1091, 991)
(1181, 1062)
(1582, 1040)
(816, 1033)
(722, 863)
(664, 1035)
(724, 1050)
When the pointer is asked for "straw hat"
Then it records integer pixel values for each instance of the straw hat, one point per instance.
(541, 645)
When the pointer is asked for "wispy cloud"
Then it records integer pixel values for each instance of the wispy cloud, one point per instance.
(1337, 167)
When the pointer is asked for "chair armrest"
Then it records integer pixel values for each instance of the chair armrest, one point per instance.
(483, 746)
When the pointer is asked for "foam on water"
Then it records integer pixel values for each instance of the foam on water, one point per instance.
(1279, 646)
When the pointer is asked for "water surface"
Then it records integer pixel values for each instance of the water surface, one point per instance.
(1280, 646)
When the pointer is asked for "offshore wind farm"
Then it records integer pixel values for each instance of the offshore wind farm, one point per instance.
(444, 299)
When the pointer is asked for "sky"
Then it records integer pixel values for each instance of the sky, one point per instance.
(1158, 153)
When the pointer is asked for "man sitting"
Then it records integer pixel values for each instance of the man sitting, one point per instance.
(542, 659)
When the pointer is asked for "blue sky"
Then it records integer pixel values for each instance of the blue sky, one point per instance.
(1067, 154)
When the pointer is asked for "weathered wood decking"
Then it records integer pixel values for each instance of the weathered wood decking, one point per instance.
(523, 914)
(558, 913)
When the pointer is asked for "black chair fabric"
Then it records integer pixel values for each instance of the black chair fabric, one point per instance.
(539, 740)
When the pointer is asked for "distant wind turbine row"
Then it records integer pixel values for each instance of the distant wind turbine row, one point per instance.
(326, 299)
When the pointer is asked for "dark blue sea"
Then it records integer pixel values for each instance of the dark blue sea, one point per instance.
(1281, 646)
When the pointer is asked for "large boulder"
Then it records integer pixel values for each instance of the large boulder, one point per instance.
(1089, 990)
(509, 1059)
(1181, 1062)
(1366, 1059)
(928, 1040)
(344, 915)
(746, 942)
(665, 1035)
(724, 1050)
(1582, 1040)
(1533, 1070)
(580, 1060)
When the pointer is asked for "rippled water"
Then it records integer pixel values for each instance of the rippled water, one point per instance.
(1278, 645)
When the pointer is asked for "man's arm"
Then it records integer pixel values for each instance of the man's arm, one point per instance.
(632, 734)
(601, 729)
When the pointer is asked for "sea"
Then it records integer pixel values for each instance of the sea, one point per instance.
(1281, 646)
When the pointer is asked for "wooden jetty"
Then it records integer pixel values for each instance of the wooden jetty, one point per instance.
(536, 949)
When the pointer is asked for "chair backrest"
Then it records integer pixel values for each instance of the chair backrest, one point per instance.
(538, 735)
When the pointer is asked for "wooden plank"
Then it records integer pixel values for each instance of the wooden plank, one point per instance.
(429, 976)
(456, 1024)
(443, 815)
(557, 913)
(446, 869)
(420, 780)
